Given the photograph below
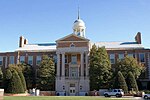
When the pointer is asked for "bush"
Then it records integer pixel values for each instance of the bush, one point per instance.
(147, 91)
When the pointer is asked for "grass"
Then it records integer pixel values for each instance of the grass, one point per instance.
(59, 98)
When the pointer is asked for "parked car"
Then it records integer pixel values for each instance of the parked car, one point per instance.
(114, 92)
(146, 96)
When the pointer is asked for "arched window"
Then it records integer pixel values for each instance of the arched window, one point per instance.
(72, 45)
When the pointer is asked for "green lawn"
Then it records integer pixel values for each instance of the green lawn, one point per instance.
(59, 98)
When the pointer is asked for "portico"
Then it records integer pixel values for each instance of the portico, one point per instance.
(72, 71)
(72, 62)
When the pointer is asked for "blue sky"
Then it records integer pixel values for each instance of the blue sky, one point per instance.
(44, 21)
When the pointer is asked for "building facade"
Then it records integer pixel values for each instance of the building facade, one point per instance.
(71, 55)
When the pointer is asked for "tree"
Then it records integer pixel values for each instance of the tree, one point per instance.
(19, 71)
(132, 84)
(1, 74)
(129, 64)
(1, 78)
(46, 74)
(28, 74)
(8, 74)
(14, 80)
(120, 82)
(100, 68)
(15, 85)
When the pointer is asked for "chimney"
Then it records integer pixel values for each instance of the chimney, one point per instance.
(25, 41)
(21, 41)
(138, 38)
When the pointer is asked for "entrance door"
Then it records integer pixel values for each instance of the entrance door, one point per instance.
(72, 91)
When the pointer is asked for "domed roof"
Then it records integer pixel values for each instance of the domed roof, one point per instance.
(78, 23)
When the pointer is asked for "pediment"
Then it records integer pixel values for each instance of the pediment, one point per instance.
(72, 37)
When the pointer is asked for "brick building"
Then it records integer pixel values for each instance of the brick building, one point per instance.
(71, 57)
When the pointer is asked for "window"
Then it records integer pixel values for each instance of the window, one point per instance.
(11, 60)
(115, 90)
(22, 59)
(38, 60)
(142, 57)
(30, 60)
(74, 59)
(121, 56)
(74, 72)
(112, 58)
(72, 45)
(66, 59)
(1, 60)
(72, 85)
(55, 58)
(130, 55)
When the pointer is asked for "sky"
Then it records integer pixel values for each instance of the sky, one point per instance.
(45, 21)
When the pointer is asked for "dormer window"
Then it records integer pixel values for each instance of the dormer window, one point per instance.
(72, 45)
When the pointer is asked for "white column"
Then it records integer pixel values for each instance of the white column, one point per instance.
(63, 64)
(18, 57)
(58, 64)
(86, 61)
(82, 65)
(6, 62)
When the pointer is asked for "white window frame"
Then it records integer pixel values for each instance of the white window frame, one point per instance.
(72, 59)
(140, 58)
(22, 59)
(30, 58)
(38, 60)
(121, 56)
(1, 60)
(73, 72)
(112, 56)
(11, 58)
(72, 45)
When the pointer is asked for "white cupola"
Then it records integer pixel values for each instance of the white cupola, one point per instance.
(79, 27)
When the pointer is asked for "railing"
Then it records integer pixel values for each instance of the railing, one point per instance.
(70, 78)
(74, 65)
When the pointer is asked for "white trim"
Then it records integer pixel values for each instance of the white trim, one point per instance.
(76, 49)
(72, 35)
(72, 45)
(69, 41)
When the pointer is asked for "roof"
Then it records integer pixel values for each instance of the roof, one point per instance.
(119, 45)
(108, 45)
(38, 47)
(74, 35)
